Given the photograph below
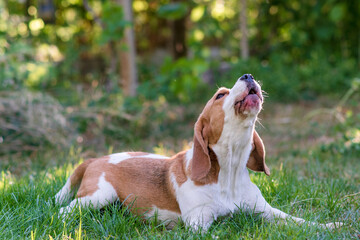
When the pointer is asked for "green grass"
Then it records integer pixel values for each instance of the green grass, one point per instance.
(318, 190)
(315, 175)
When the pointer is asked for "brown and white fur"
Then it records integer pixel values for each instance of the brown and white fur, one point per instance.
(209, 180)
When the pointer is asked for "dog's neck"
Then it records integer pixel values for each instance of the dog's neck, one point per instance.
(233, 150)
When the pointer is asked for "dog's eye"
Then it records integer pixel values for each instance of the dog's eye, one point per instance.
(220, 95)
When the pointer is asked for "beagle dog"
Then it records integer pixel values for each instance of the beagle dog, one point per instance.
(198, 185)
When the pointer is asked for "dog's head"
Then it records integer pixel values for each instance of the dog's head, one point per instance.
(228, 115)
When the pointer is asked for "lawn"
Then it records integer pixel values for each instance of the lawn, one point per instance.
(314, 175)
(84, 78)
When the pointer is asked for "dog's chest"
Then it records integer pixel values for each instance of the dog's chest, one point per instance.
(227, 194)
(231, 191)
(213, 199)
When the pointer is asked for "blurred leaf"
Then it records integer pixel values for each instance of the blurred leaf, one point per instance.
(355, 84)
(114, 23)
(197, 13)
(173, 11)
(337, 13)
(324, 32)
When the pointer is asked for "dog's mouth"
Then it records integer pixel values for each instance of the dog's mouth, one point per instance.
(252, 91)
(252, 98)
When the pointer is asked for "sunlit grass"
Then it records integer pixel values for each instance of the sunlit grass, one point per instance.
(28, 209)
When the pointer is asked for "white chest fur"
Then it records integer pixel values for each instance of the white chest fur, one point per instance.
(200, 204)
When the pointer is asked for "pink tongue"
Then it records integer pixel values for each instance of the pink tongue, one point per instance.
(251, 100)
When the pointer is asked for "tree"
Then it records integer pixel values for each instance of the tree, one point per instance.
(128, 71)
(244, 43)
(179, 36)
(176, 11)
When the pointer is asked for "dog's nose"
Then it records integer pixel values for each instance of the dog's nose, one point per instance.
(247, 77)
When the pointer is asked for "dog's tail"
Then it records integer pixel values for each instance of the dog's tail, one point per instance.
(72, 183)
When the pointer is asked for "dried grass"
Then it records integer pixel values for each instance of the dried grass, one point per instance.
(30, 121)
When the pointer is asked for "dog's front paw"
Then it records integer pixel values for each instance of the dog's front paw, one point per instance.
(333, 225)
(199, 224)
(63, 212)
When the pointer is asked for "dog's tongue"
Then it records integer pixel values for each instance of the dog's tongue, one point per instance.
(252, 98)
(250, 101)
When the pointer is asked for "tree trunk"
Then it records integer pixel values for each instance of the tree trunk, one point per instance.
(179, 48)
(244, 43)
(128, 57)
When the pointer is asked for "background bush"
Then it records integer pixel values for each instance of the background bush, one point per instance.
(58, 64)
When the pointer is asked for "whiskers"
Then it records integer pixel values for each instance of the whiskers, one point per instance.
(258, 121)
(265, 94)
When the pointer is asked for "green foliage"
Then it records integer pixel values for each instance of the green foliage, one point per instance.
(173, 10)
(183, 77)
(13, 67)
(113, 23)
(42, 55)
(177, 81)
(298, 49)
(287, 81)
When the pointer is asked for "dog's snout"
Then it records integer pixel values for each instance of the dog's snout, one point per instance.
(247, 77)
(250, 82)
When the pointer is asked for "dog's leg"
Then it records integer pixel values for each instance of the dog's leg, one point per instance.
(72, 183)
(105, 194)
(254, 201)
(199, 218)
(64, 194)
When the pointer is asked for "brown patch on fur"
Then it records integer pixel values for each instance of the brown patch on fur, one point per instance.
(178, 168)
(256, 160)
(212, 176)
(214, 115)
(80, 173)
(143, 182)
(207, 132)
(137, 154)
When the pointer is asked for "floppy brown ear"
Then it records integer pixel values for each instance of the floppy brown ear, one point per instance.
(200, 163)
(256, 160)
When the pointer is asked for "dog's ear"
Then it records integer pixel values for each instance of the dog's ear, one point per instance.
(200, 163)
(256, 160)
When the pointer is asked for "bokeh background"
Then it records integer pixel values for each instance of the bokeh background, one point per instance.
(88, 77)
